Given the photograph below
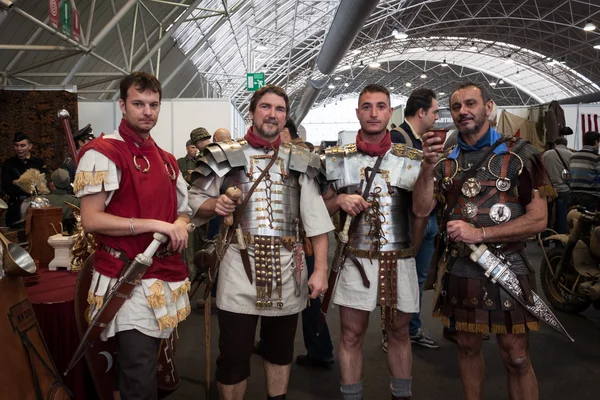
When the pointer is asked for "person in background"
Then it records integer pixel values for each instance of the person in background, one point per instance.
(81, 138)
(557, 161)
(420, 115)
(12, 169)
(221, 135)
(585, 173)
(187, 164)
(200, 138)
(60, 186)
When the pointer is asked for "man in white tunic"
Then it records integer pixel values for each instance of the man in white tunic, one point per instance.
(379, 266)
(129, 189)
(261, 273)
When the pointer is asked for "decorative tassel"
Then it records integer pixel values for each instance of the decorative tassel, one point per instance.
(168, 321)
(499, 329)
(518, 329)
(533, 326)
(157, 298)
(85, 178)
(181, 290)
(183, 313)
(548, 192)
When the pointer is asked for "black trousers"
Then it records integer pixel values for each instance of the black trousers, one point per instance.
(138, 355)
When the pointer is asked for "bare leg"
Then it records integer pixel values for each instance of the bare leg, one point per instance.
(354, 324)
(399, 347)
(232, 392)
(522, 383)
(278, 377)
(472, 366)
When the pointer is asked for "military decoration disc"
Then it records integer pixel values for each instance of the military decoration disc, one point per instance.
(470, 210)
(503, 184)
(471, 188)
(447, 183)
(499, 213)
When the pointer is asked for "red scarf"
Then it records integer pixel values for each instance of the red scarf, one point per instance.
(258, 142)
(131, 136)
(374, 150)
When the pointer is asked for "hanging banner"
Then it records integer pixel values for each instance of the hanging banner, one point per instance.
(53, 13)
(65, 17)
(76, 26)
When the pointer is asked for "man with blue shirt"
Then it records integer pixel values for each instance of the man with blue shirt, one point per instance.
(585, 172)
(492, 190)
(420, 115)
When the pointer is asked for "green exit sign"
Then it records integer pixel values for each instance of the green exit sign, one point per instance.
(255, 81)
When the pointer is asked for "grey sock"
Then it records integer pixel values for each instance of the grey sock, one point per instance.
(352, 391)
(401, 387)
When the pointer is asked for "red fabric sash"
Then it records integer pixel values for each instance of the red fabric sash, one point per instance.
(258, 142)
(374, 150)
(151, 195)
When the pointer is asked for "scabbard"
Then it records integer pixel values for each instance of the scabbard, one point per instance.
(246, 263)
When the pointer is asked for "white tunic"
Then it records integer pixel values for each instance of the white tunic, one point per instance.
(170, 301)
(234, 291)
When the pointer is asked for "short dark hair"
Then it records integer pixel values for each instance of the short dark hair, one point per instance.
(565, 131)
(419, 98)
(375, 88)
(269, 89)
(291, 126)
(560, 140)
(590, 138)
(141, 81)
(484, 93)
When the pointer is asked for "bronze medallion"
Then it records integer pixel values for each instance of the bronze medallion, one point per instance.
(470, 210)
(471, 188)
(507, 304)
(500, 213)
(447, 183)
(503, 184)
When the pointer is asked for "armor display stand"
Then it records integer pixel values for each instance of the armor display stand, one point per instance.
(62, 251)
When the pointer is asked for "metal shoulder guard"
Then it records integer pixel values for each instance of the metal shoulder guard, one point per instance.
(220, 158)
(300, 159)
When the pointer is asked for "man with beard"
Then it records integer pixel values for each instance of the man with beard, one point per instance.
(129, 189)
(370, 182)
(261, 273)
(493, 188)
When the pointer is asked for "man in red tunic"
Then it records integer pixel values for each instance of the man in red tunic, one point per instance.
(129, 189)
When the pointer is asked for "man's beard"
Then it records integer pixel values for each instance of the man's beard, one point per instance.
(478, 123)
(267, 133)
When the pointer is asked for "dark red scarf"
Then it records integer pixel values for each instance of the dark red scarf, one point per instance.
(133, 137)
(258, 142)
(374, 150)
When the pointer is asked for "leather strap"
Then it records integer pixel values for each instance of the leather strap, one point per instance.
(361, 270)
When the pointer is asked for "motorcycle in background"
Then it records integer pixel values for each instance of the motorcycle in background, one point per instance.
(570, 272)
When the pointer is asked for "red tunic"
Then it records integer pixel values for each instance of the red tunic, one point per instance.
(151, 195)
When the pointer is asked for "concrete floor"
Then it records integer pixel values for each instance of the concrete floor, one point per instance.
(564, 370)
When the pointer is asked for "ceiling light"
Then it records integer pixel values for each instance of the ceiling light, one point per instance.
(401, 35)
(408, 84)
(423, 76)
(492, 83)
(501, 81)
(509, 60)
(331, 86)
(441, 93)
(355, 52)
(345, 67)
(444, 63)
(337, 78)
(589, 26)
(346, 84)
(473, 47)
(374, 64)
(597, 47)
(391, 87)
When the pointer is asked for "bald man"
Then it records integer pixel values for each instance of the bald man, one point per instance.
(221, 135)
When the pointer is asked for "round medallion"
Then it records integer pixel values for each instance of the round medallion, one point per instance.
(447, 183)
(471, 188)
(503, 184)
(499, 213)
(469, 210)
(565, 175)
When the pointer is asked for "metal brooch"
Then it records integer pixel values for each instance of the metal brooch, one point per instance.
(471, 188)
(447, 183)
(500, 213)
(503, 184)
(470, 210)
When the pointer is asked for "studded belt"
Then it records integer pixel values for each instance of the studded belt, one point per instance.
(402, 253)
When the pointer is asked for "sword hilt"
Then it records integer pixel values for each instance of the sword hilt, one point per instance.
(344, 233)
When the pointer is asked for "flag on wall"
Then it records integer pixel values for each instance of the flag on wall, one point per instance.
(589, 122)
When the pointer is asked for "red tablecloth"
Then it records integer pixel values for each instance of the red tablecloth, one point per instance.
(53, 303)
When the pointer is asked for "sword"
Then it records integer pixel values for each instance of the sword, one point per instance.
(119, 293)
(298, 260)
(497, 269)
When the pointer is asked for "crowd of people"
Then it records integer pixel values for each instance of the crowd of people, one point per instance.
(408, 204)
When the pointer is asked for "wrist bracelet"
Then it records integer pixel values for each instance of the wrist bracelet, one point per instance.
(483, 229)
(131, 228)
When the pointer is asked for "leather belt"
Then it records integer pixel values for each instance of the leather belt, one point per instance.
(402, 253)
(286, 241)
(463, 251)
(119, 254)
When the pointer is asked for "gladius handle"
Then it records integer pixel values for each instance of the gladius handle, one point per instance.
(344, 233)
(234, 194)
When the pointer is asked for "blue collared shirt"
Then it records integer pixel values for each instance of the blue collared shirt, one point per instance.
(490, 137)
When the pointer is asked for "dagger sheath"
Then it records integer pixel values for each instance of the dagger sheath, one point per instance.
(499, 272)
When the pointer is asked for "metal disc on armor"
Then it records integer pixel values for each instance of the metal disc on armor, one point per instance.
(500, 213)
(503, 184)
(471, 188)
(447, 183)
(470, 210)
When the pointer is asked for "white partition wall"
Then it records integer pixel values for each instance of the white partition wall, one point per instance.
(178, 117)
